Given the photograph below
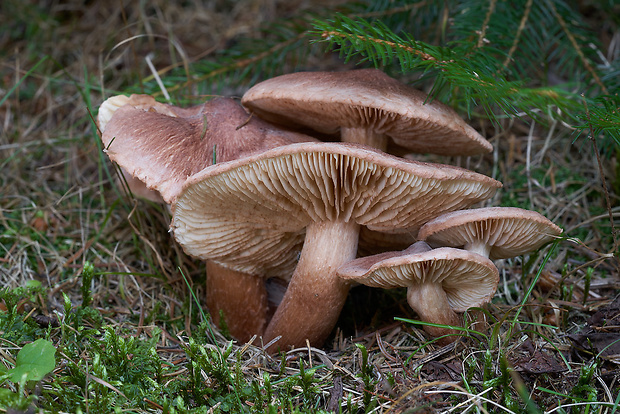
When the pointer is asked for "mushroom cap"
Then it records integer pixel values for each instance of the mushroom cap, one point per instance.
(249, 214)
(468, 279)
(161, 145)
(367, 98)
(508, 231)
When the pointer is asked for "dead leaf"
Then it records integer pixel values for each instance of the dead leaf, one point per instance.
(602, 336)
(530, 359)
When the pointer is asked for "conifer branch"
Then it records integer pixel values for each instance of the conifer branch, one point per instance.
(602, 117)
(474, 74)
(592, 137)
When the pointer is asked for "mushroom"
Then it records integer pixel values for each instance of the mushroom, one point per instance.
(439, 282)
(367, 107)
(159, 146)
(247, 214)
(493, 232)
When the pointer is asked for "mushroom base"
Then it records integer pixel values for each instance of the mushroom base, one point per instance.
(429, 301)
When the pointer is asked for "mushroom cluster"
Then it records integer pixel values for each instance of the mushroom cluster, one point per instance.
(256, 200)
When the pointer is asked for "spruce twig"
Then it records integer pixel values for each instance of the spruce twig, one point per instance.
(327, 34)
(470, 75)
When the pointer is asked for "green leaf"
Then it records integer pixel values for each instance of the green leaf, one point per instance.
(34, 361)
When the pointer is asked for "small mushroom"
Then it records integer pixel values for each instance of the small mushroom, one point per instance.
(158, 146)
(367, 107)
(439, 282)
(494, 232)
(248, 214)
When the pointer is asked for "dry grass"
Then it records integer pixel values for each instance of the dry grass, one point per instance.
(59, 208)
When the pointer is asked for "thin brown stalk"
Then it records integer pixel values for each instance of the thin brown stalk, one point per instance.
(487, 19)
(522, 23)
(582, 56)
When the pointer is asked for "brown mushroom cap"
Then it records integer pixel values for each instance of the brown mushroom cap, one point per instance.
(361, 101)
(249, 214)
(162, 145)
(467, 278)
(494, 232)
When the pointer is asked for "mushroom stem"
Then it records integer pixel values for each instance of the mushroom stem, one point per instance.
(240, 297)
(430, 302)
(364, 136)
(479, 246)
(315, 295)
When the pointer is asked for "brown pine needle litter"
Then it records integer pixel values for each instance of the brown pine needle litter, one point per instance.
(143, 345)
